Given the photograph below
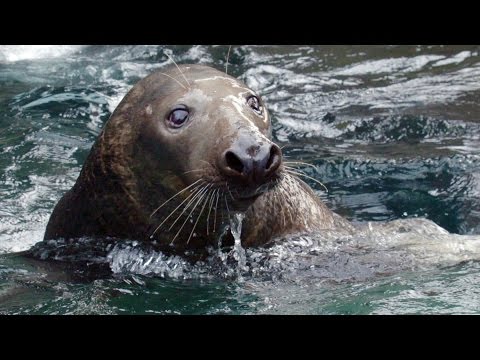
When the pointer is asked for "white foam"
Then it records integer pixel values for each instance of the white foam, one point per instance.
(197, 54)
(14, 238)
(310, 128)
(455, 59)
(12, 53)
(392, 65)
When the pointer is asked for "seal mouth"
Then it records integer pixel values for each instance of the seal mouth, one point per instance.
(245, 196)
(252, 194)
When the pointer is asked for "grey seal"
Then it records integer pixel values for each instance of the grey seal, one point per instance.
(185, 148)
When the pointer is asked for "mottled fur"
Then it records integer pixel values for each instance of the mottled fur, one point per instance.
(137, 164)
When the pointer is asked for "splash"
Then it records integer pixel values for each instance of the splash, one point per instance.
(238, 251)
(132, 257)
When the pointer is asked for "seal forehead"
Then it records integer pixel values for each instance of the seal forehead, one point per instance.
(236, 96)
(232, 82)
(195, 97)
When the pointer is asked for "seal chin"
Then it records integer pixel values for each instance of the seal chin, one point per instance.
(242, 204)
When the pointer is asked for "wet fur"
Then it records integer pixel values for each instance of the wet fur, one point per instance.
(130, 172)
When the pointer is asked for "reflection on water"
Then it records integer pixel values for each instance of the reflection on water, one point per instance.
(393, 132)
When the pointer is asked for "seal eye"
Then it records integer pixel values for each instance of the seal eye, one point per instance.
(177, 117)
(254, 103)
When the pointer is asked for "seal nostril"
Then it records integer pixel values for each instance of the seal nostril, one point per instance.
(233, 162)
(271, 158)
(274, 159)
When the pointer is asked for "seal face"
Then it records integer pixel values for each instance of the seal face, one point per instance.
(184, 149)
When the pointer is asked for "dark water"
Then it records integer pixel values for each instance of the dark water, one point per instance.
(393, 132)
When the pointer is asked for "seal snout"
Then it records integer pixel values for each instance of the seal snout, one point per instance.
(250, 162)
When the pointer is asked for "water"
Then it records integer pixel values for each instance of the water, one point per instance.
(393, 132)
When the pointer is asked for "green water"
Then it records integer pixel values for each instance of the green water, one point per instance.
(392, 130)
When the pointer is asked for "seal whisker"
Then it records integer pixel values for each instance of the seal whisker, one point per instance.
(190, 214)
(194, 194)
(178, 69)
(306, 176)
(301, 163)
(198, 195)
(194, 170)
(198, 217)
(226, 203)
(178, 193)
(228, 55)
(171, 77)
(276, 196)
(215, 217)
(199, 198)
(212, 197)
(295, 170)
(230, 192)
(291, 179)
(288, 206)
(274, 199)
(206, 162)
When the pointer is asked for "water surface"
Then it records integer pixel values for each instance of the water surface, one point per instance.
(393, 132)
